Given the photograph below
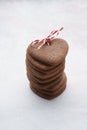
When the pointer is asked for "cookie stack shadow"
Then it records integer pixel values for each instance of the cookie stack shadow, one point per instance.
(45, 68)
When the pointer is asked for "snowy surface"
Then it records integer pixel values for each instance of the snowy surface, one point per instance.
(20, 23)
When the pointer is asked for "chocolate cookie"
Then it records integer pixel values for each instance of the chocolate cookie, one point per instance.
(49, 97)
(50, 86)
(45, 77)
(47, 85)
(50, 71)
(49, 55)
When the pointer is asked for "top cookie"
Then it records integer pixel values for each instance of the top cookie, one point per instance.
(49, 55)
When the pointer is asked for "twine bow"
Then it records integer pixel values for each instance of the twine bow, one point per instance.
(48, 39)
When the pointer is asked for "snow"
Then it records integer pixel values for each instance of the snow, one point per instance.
(20, 23)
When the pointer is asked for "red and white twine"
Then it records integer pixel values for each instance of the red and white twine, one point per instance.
(48, 39)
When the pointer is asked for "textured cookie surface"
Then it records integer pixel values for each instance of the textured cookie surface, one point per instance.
(51, 54)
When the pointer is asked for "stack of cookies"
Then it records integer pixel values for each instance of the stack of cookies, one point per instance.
(45, 68)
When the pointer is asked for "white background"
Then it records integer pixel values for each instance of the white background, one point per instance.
(20, 23)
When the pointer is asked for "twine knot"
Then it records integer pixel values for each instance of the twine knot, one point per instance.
(48, 39)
